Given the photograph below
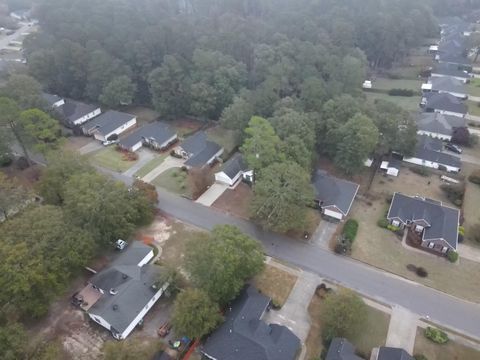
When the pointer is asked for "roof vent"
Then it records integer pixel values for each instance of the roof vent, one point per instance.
(115, 307)
(113, 291)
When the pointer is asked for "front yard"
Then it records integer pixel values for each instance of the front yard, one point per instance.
(473, 88)
(112, 159)
(450, 351)
(174, 180)
(473, 107)
(377, 324)
(236, 201)
(152, 164)
(275, 283)
(470, 206)
(383, 249)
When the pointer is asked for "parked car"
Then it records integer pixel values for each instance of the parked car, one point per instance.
(120, 244)
(454, 148)
(109, 142)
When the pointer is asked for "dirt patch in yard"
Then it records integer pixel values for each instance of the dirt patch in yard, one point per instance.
(236, 201)
(275, 283)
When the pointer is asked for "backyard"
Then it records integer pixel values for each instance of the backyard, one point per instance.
(174, 180)
(112, 159)
(144, 114)
(452, 350)
(226, 138)
(377, 324)
(409, 103)
(383, 249)
(275, 283)
(152, 164)
(388, 84)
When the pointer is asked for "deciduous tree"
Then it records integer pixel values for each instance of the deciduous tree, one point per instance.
(12, 195)
(119, 91)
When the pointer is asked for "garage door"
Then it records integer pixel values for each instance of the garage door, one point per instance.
(333, 214)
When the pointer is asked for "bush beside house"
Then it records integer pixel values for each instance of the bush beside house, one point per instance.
(436, 335)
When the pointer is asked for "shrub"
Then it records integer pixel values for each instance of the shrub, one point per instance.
(454, 192)
(393, 228)
(421, 272)
(5, 160)
(475, 177)
(383, 223)
(350, 230)
(420, 357)
(422, 171)
(452, 256)
(401, 92)
(461, 230)
(436, 335)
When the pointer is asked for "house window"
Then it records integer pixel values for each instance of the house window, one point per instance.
(396, 223)
(419, 228)
(431, 245)
(444, 249)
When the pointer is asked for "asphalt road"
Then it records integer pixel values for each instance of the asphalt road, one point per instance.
(457, 314)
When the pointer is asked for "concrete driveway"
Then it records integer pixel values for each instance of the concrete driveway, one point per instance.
(212, 194)
(92, 146)
(468, 252)
(144, 156)
(324, 232)
(402, 329)
(169, 163)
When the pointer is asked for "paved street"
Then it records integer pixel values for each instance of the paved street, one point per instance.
(444, 309)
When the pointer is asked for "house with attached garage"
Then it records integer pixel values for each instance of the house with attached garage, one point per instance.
(435, 224)
(429, 152)
(244, 335)
(156, 135)
(334, 196)
(234, 170)
(73, 113)
(119, 296)
(446, 85)
(53, 101)
(439, 126)
(111, 123)
(198, 150)
(453, 71)
(443, 103)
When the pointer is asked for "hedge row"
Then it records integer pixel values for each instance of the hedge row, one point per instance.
(350, 230)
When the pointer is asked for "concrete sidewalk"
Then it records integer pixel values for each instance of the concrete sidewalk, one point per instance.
(402, 329)
(212, 194)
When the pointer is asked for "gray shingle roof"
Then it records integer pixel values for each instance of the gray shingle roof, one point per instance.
(447, 84)
(450, 70)
(200, 148)
(443, 220)
(446, 102)
(390, 353)
(50, 99)
(108, 121)
(73, 110)
(341, 349)
(234, 165)
(333, 191)
(431, 149)
(159, 131)
(439, 123)
(244, 336)
(133, 286)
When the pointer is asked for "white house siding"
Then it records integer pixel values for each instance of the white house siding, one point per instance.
(117, 131)
(458, 95)
(146, 259)
(223, 178)
(430, 164)
(434, 135)
(443, 112)
(135, 147)
(101, 321)
(87, 117)
(332, 213)
(216, 156)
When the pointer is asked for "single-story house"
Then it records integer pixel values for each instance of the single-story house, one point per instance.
(447, 85)
(156, 135)
(342, 349)
(438, 125)
(443, 103)
(453, 50)
(436, 223)
(429, 152)
(391, 167)
(108, 124)
(198, 150)
(334, 196)
(244, 335)
(53, 101)
(119, 296)
(75, 113)
(233, 170)
(443, 70)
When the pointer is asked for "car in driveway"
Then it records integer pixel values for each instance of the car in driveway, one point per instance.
(109, 142)
(120, 244)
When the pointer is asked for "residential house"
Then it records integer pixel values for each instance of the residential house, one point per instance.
(434, 223)
(429, 152)
(244, 335)
(73, 113)
(447, 85)
(109, 124)
(119, 296)
(448, 70)
(334, 196)
(53, 101)
(233, 170)
(156, 135)
(198, 150)
(444, 104)
(391, 353)
(438, 125)
(341, 349)
(391, 167)
(454, 51)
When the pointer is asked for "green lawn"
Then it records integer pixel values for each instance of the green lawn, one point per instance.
(450, 351)
(474, 87)
(471, 201)
(223, 137)
(112, 159)
(174, 180)
(409, 103)
(152, 164)
(388, 84)
(473, 107)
